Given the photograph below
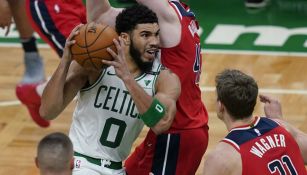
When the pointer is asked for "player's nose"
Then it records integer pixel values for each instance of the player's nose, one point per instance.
(155, 41)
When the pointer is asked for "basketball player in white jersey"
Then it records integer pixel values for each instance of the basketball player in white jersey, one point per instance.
(180, 52)
(114, 103)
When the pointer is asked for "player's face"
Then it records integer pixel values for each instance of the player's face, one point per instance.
(144, 45)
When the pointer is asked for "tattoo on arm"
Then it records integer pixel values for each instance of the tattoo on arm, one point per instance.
(167, 69)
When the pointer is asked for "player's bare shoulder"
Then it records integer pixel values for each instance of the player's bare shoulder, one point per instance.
(167, 73)
(224, 159)
(168, 80)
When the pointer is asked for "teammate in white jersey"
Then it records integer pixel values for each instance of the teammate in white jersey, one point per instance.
(114, 103)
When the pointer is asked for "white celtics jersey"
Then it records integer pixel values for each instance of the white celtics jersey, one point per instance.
(106, 121)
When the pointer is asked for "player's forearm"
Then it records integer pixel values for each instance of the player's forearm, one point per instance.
(152, 4)
(95, 8)
(148, 105)
(52, 103)
(100, 11)
(299, 136)
(301, 139)
(110, 17)
(170, 25)
(165, 123)
(161, 7)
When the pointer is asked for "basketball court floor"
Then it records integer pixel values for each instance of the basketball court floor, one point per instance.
(278, 65)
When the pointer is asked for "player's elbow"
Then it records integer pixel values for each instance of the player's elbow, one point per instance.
(160, 127)
(165, 123)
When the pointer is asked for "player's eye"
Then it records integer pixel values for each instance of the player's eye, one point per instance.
(145, 34)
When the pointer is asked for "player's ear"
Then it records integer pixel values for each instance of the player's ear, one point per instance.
(36, 162)
(220, 106)
(72, 163)
(126, 38)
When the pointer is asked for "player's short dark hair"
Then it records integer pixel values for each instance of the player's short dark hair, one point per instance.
(54, 152)
(237, 92)
(127, 20)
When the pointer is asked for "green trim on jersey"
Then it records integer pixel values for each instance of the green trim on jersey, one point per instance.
(138, 78)
(155, 79)
(157, 71)
(113, 165)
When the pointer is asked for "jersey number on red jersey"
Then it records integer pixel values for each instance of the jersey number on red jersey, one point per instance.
(197, 66)
(280, 165)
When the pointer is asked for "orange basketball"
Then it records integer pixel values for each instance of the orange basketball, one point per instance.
(91, 45)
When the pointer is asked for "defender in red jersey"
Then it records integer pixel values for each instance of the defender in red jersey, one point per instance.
(171, 153)
(254, 145)
(33, 64)
(53, 20)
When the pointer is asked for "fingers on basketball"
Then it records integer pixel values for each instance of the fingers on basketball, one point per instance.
(91, 45)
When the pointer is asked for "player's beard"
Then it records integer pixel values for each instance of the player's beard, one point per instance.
(136, 55)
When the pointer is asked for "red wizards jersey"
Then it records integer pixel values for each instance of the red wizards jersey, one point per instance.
(185, 60)
(266, 149)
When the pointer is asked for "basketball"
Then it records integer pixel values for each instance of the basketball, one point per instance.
(91, 45)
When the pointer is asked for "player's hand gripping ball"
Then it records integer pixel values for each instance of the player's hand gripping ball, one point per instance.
(91, 45)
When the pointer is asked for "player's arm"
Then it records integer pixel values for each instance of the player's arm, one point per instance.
(64, 84)
(299, 136)
(170, 27)
(168, 90)
(272, 109)
(223, 160)
(101, 11)
(159, 111)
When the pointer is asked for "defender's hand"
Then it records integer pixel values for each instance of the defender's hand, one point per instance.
(272, 107)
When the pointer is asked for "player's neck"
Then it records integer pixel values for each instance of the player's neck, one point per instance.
(133, 68)
(231, 123)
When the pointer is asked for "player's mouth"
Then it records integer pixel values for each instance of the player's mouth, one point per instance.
(151, 54)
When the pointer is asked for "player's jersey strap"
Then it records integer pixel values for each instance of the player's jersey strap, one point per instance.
(182, 9)
(260, 126)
